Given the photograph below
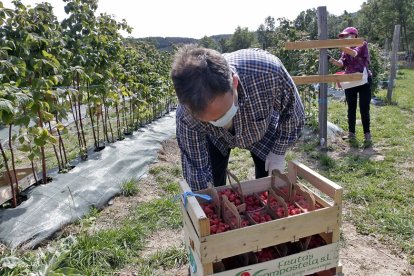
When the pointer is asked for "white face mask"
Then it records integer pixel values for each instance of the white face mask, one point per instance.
(226, 118)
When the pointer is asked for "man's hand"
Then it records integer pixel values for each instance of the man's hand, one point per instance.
(275, 162)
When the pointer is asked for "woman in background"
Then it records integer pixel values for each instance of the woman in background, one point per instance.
(356, 60)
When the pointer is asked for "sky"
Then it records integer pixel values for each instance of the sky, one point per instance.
(195, 19)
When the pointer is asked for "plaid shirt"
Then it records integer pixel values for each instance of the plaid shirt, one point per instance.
(269, 119)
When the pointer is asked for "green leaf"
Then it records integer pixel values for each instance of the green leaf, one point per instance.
(46, 105)
(10, 262)
(31, 156)
(35, 107)
(7, 118)
(55, 80)
(36, 151)
(52, 139)
(60, 126)
(23, 121)
(37, 65)
(22, 98)
(40, 141)
(44, 133)
(47, 116)
(47, 55)
(6, 106)
(35, 131)
(25, 148)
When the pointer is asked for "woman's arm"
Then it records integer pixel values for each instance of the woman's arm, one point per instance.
(335, 62)
(349, 51)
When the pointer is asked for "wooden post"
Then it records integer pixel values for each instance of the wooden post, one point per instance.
(323, 70)
(395, 46)
(386, 44)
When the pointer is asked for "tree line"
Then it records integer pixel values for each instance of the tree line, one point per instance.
(375, 21)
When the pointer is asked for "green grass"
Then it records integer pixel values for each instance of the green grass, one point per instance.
(167, 177)
(167, 259)
(240, 163)
(129, 187)
(381, 193)
(111, 249)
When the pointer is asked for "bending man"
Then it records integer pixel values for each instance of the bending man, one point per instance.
(243, 99)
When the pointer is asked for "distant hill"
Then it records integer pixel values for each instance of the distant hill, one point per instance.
(166, 43)
(221, 36)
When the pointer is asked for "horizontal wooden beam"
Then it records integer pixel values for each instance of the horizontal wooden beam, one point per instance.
(320, 44)
(326, 78)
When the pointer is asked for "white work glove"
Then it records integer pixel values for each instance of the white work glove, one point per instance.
(275, 162)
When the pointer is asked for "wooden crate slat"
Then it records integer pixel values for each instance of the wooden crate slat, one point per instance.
(192, 234)
(320, 182)
(253, 238)
(338, 270)
(252, 186)
(326, 236)
(326, 78)
(196, 213)
(192, 242)
(318, 199)
(323, 44)
(280, 266)
(207, 268)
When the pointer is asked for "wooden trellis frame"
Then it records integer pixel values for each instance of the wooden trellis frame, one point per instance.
(323, 78)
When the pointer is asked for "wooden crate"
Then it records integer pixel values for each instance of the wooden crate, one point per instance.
(205, 251)
(25, 177)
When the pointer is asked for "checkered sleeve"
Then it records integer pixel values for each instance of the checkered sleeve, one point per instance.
(194, 154)
(288, 104)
